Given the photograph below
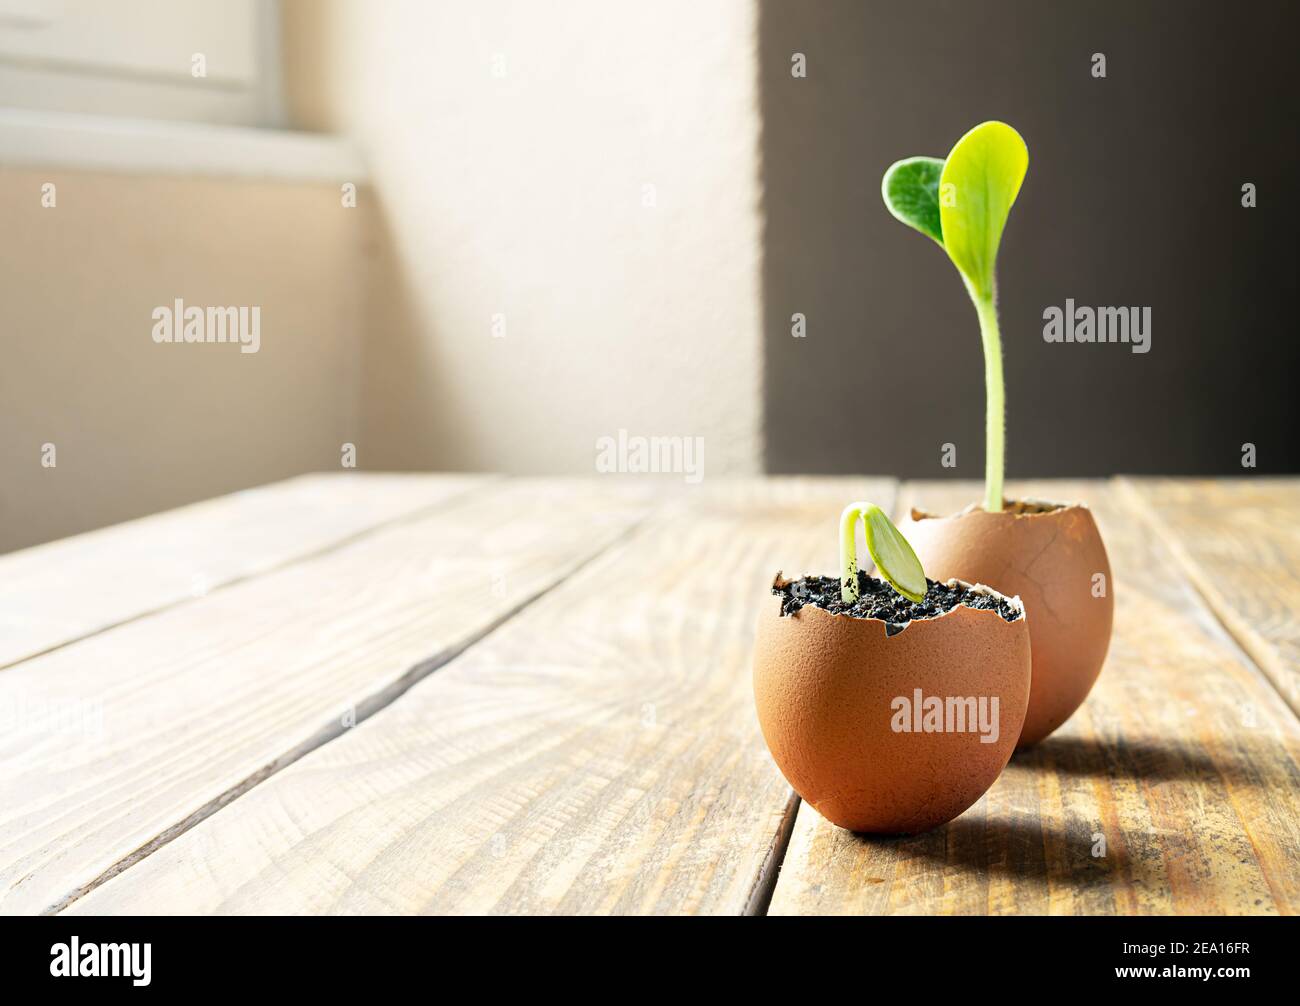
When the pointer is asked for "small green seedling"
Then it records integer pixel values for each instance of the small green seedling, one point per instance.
(895, 561)
(962, 203)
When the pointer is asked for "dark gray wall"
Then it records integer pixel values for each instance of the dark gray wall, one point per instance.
(1133, 198)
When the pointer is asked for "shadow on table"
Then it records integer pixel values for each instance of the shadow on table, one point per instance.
(1148, 761)
(981, 850)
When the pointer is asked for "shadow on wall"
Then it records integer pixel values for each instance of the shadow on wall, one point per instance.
(406, 394)
(1133, 198)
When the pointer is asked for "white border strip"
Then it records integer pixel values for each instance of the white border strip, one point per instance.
(146, 146)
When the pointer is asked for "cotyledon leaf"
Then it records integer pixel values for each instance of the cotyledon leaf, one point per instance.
(893, 555)
(895, 561)
(980, 181)
(911, 192)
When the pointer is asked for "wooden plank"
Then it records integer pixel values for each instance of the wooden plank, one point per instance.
(1238, 541)
(53, 594)
(1183, 760)
(118, 742)
(598, 754)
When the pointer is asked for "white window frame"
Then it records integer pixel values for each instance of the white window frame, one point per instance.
(85, 57)
(101, 113)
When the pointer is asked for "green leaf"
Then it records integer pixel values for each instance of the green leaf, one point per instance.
(895, 560)
(911, 192)
(979, 184)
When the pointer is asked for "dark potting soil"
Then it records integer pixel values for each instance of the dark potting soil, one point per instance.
(878, 600)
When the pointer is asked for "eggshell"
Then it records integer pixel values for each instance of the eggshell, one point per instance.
(1050, 560)
(825, 687)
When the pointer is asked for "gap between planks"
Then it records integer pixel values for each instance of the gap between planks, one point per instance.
(1253, 650)
(477, 487)
(760, 896)
(199, 698)
(335, 729)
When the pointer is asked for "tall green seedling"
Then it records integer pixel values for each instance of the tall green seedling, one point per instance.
(962, 203)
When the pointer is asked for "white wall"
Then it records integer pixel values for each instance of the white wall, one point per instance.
(519, 194)
(509, 147)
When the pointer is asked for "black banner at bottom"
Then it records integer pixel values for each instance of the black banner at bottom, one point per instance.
(532, 956)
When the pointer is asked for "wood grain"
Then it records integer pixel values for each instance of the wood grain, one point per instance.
(1238, 540)
(597, 754)
(1183, 761)
(116, 743)
(56, 593)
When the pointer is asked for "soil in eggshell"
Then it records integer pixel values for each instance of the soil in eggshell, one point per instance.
(878, 600)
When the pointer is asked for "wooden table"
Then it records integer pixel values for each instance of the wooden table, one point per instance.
(410, 693)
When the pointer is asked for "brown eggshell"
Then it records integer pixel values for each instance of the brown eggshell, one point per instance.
(825, 686)
(1049, 559)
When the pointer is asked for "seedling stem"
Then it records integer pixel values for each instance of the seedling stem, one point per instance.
(994, 399)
